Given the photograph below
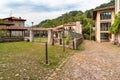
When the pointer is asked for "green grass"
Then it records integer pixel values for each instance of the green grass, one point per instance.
(38, 39)
(19, 60)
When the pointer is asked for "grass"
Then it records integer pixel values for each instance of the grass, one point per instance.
(20, 60)
(38, 39)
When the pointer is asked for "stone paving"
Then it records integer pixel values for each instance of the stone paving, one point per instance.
(98, 61)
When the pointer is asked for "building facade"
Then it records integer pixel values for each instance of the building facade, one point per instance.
(14, 21)
(15, 26)
(104, 18)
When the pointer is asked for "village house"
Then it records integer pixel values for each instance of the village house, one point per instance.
(104, 18)
(15, 26)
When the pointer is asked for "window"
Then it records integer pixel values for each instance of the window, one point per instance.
(104, 36)
(105, 15)
(105, 26)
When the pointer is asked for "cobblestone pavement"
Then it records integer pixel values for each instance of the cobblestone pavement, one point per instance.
(98, 61)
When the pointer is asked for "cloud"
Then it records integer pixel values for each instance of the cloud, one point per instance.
(38, 10)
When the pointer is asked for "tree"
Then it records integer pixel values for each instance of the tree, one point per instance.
(114, 29)
(3, 33)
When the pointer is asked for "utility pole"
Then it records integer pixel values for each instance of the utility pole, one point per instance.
(90, 32)
(63, 35)
(10, 13)
(32, 23)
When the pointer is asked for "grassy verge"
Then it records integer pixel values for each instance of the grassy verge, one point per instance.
(20, 60)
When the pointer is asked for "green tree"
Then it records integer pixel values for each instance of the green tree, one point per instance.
(3, 33)
(114, 29)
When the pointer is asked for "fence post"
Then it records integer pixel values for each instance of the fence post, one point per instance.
(73, 45)
(46, 52)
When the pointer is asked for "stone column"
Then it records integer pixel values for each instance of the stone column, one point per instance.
(31, 38)
(117, 6)
(50, 36)
(112, 38)
(98, 33)
(75, 44)
(59, 38)
(78, 27)
(10, 33)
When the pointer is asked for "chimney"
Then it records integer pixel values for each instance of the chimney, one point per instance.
(19, 17)
(78, 27)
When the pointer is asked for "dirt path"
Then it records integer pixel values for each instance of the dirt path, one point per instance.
(98, 61)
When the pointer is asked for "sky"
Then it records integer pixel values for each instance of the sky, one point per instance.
(39, 10)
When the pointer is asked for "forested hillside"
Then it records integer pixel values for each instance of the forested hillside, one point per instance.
(111, 3)
(68, 17)
(84, 17)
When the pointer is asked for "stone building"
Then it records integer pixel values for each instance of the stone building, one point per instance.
(104, 18)
(15, 26)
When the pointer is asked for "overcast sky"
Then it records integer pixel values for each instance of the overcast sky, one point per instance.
(38, 10)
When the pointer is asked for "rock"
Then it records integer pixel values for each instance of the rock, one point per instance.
(4, 65)
(16, 75)
(24, 69)
(1, 78)
(54, 74)
(58, 69)
(26, 78)
(50, 78)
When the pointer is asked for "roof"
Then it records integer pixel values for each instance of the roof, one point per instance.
(6, 23)
(59, 28)
(105, 8)
(40, 29)
(102, 9)
(70, 24)
(23, 28)
(15, 18)
(13, 28)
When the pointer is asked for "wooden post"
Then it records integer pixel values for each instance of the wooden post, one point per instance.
(46, 53)
(73, 45)
(63, 42)
(10, 33)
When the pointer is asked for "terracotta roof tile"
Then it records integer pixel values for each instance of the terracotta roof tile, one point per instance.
(7, 23)
(12, 28)
(16, 18)
(105, 8)
(101, 9)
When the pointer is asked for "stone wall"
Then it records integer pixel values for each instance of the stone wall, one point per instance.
(11, 39)
(73, 44)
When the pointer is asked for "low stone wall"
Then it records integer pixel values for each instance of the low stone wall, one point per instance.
(73, 44)
(11, 39)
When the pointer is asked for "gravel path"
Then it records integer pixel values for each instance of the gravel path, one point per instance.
(98, 61)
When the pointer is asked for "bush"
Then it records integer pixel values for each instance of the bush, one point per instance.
(86, 36)
(67, 39)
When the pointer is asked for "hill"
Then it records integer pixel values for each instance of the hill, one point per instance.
(111, 3)
(73, 16)
(84, 17)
